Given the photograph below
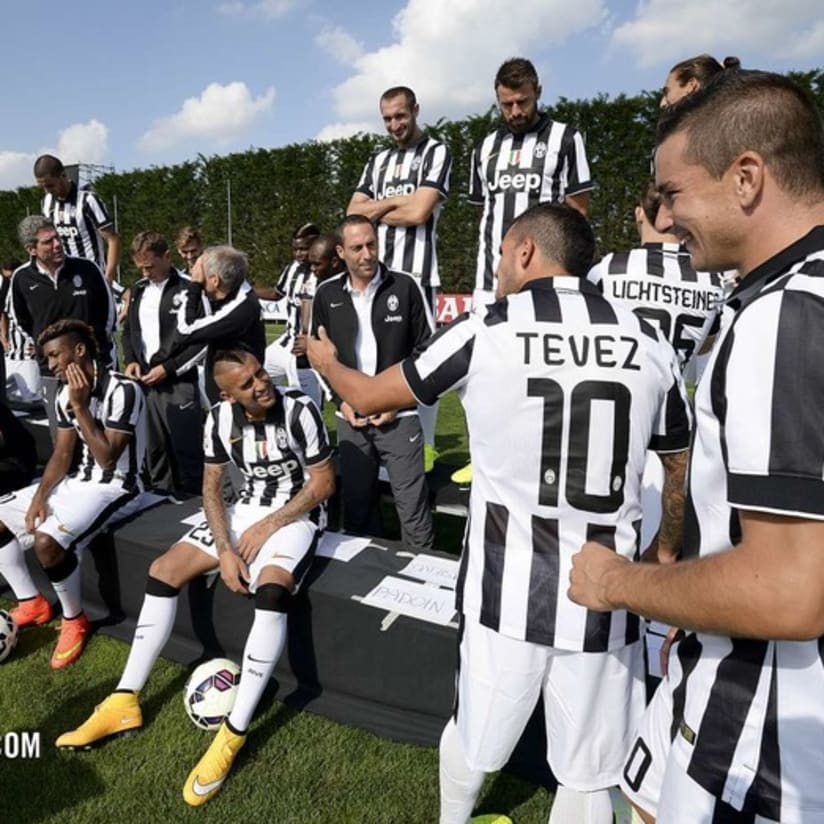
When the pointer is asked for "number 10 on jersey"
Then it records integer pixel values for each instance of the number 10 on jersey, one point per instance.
(575, 453)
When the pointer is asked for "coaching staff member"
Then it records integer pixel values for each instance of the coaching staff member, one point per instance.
(174, 455)
(376, 317)
(233, 311)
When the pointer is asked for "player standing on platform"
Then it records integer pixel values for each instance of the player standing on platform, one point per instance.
(587, 387)
(402, 190)
(263, 546)
(61, 514)
(530, 159)
(79, 215)
(732, 734)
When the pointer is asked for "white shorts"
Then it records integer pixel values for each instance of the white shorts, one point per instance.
(592, 703)
(643, 773)
(291, 548)
(77, 511)
(23, 379)
(280, 362)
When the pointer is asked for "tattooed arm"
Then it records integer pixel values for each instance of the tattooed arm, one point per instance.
(666, 546)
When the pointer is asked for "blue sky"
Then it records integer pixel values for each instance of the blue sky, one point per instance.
(134, 84)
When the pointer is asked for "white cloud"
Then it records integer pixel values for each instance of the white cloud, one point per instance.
(439, 46)
(338, 43)
(341, 130)
(666, 31)
(220, 115)
(15, 169)
(83, 143)
(77, 143)
(268, 9)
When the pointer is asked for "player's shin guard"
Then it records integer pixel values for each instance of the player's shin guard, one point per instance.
(154, 626)
(265, 643)
(460, 784)
(65, 578)
(13, 568)
(582, 807)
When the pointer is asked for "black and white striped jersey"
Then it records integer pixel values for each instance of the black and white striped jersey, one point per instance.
(118, 403)
(394, 172)
(749, 712)
(563, 394)
(300, 287)
(512, 172)
(78, 220)
(287, 276)
(658, 283)
(273, 454)
(21, 346)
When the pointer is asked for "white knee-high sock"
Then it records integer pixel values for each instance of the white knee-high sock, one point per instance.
(65, 578)
(13, 568)
(460, 784)
(428, 416)
(265, 643)
(581, 807)
(154, 626)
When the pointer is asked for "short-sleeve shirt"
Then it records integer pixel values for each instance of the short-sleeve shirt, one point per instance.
(747, 711)
(118, 403)
(396, 171)
(512, 172)
(563, 394)
(271, 454)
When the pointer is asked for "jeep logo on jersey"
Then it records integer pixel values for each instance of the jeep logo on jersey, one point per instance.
(515, 180)
(398, 189)
(392, 303)
(274, 470)
(77, 281)
(67, 231)
(280, 438)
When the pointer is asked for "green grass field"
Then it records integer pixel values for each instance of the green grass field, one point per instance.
(296, 767)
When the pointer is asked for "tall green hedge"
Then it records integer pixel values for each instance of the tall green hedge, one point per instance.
(275, 190)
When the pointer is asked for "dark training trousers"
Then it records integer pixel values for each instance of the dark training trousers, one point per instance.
(399, 446)
(174, 436)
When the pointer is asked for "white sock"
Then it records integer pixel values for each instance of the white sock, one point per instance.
(68, 591)
(154, 626)
(460, 784)
(581, 807)
(265, 643)
(13, 568)
(428, 416)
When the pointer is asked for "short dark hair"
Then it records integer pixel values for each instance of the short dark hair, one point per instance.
(752, 111)
(307, 230)
(149, 242)
(10, 264)
(327, 243)
(561, 233)
(230, 357)
(188, 234)
(702, 68)
(397, 91)
(650, 202)
(77, 330)
(351, 220)
(48, 166)
(516, 72)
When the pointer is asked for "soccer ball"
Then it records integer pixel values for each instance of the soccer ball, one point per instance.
(8, 635)
(210, 692)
